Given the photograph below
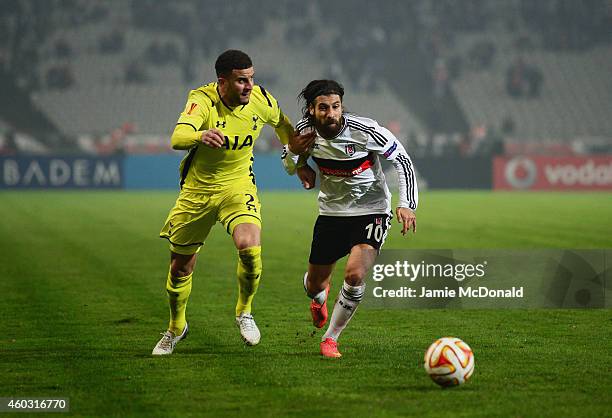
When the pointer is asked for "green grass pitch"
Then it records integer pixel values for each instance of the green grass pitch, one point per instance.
(82, 280)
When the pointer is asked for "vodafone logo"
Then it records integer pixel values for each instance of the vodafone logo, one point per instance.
(521, 172)
(587, 174)
(535, 172)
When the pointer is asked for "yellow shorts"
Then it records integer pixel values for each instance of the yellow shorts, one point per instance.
(194, 214)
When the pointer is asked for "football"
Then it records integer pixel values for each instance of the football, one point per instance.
(449, 361)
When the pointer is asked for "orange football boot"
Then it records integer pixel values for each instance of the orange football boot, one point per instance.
(319, 312)
(329, 348)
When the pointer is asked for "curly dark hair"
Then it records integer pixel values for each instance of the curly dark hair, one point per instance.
(318, 88)
(232, 59)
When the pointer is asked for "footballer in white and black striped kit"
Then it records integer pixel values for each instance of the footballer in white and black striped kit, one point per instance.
(354, 200)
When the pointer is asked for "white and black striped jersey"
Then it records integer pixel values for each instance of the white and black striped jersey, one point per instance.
(352, 179)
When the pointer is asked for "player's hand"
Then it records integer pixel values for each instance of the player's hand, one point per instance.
(301, 143)
(213, 138)
(307, 176)
(407, 218)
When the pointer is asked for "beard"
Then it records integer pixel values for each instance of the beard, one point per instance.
(329, 127)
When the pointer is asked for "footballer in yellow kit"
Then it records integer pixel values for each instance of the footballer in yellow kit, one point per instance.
(218, 184)
(219, 126)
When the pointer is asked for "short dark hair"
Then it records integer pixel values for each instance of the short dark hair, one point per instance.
(232, 59)
(318, 88)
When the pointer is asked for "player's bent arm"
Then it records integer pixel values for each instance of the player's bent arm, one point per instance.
(185, 137)
(187, 131)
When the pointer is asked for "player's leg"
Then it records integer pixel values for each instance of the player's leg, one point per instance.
(329, 243)
(367, 236)
(186, 228)
(178, 287)
(317, 279)
(317, 282)
(239, 213)
(247, 239)
(360, 260)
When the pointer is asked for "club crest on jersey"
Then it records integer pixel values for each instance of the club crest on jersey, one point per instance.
(350, 150)
(255, 118)
(378, 221)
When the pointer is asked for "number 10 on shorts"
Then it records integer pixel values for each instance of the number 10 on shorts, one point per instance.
(375, 230)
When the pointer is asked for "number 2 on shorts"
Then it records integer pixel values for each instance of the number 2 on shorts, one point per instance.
(249, 203)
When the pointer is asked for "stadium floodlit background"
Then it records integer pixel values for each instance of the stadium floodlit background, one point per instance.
(504, 106)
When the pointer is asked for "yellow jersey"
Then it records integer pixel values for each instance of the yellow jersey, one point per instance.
(207, 169)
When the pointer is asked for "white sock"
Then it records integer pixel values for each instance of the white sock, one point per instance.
(344, 309)
(319, 297)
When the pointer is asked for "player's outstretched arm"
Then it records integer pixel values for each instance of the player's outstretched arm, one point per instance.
(187, 133)
(407, 218)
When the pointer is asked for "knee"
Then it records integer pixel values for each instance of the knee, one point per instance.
(354, 276)
(245, 242)
(178, 268)
(182, 265)
(180, 271)
(246, 235)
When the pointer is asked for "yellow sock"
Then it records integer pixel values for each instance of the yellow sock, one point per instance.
(249, 271)
(178, 289)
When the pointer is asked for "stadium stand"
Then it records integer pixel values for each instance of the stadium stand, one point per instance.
(438, 72)
(574, 100)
